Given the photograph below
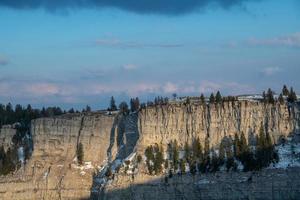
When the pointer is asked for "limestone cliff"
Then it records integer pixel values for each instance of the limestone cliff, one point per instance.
(161, 124)
(52, 172)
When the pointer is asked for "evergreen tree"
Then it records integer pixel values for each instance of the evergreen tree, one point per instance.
(236, 145)
(149, 158)
(206, 155)
(124, 108)
(222, 153)
(202, 99)
(212, 98)
(218, 97)
(264, 96)
(281, 99)
(182, 166)
(113, 106)
(187, 152)
(80, 153)
(197, 150)
(292, 98)
(215, 163)
(285, 91)
(270, 96)
(175, 155)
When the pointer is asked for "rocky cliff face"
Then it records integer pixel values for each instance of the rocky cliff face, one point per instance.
(161, 124)
(52, 172)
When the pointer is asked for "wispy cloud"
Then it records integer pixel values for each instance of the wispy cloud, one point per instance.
(130, 67)
(269, 71)
(291, 40)
(134, 44)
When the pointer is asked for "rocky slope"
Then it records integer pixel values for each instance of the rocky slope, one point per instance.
(52, 172)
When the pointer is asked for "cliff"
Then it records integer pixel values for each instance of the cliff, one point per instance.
(52, 171)
(161, 124)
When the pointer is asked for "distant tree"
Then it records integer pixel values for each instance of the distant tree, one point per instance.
(215, 162)
(113, 106)
(182, 166)
(206, 159)
(292, 98)
(187, 152)
(285, 91)
(197, 150)
(174, 96)
(218, 97)
(281, 99)
(193, 168)
(264, 96)
(236, 145)
(222, 153)
(270, 96)
(80, 153)
(70, 111)
(175, 154)
(88, 108)
(202, 99)
(124, 108)
(149, 159)
(212, 98)
(134, 104)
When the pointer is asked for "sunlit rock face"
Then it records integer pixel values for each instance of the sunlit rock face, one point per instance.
(161, 124)
(52, 172)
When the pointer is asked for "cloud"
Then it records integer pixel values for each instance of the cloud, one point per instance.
(165, 7)
(129, 67)
(269, 71)
(170, 87)
(291, 40)
(127, 44)
(42, 89)
(3, 61)
(233, 88)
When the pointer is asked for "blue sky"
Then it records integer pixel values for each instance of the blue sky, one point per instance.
(73, 55)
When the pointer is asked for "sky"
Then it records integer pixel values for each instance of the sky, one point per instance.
(73, 53)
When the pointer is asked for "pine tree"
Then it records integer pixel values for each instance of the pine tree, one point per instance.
(187, 152)
(264, 97)
(292, 98)
(80, 153)
(212, 98)
(218, 97)
(124, 108)
(182, 166)
(206, 154)
(222, 153)
(202, 99)
(149, 159)
(113, 106)
(270, 96)
(236, 145)
(285, 91)
(175, 155)
(197, 150)
(281, 99)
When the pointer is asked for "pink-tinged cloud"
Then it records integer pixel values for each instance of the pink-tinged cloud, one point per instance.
(292, 40)
(42, 89)
(170, 87)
